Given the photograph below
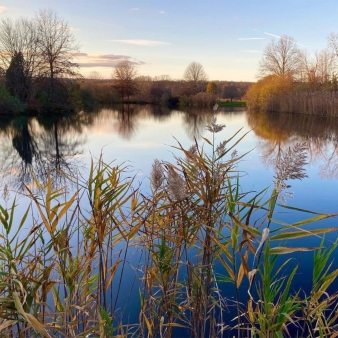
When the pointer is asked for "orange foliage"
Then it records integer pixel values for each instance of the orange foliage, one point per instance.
(262, 95)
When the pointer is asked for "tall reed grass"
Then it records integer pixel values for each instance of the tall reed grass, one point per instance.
(322, 103)
(196, 231)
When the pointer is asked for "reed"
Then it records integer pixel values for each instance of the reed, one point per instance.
(322, 103)
(195, 231)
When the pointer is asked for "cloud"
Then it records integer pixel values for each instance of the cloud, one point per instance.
(282, 37)
(250, 51)
(2, 9)
(274, 35)
(143, 42)
(161, 12)
(74, 29)
(104, 60)
(251, 39)
(134, 9)
(80, 54)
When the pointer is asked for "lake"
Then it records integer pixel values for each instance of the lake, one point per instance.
(137, 135)
(140, 134)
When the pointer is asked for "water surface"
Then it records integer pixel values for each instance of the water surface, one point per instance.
(136, 135)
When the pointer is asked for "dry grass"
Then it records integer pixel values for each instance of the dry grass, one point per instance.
(64, 279)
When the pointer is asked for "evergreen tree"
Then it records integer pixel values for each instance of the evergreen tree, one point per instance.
(17, 82)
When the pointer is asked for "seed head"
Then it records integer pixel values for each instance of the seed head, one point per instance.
(220, 149)
(192, 150)
(156, 175)
(290, 166)
(213, 126)
(176, 185)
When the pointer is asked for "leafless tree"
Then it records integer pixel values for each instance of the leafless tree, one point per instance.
(56, 47)
(195, 75)
(319, 69)
(163, 77)
(124, 75)
(281, 57)
(333, 43)
(19, 38)
(94, 75)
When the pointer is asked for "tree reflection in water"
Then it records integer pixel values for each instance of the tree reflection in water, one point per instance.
(279, 131)
(32, 146)
(38, 146)
(195, 123)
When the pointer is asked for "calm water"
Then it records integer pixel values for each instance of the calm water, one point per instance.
(139, 134)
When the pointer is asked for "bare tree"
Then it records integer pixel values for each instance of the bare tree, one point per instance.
(319, 69)
(56, 47)
(94, 75)
(19, 38)
(195, 73)
(333, 43)
(281, 57)
(326, 65)
(124, 75)
(195, 76)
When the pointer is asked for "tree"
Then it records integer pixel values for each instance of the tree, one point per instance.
(262, 94)
(281, 57)
(18, 44)
(211, 88)
(333, 43)
(318, 70)
(16, 79)
(96, 76)
(124, 76)
(194, 75)
(230, 91)
(56, 47)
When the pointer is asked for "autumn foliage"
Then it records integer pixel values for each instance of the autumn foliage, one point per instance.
(263, 95)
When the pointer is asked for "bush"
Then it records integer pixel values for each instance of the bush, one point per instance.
(203, 100)
(10, 104)
(262, 95)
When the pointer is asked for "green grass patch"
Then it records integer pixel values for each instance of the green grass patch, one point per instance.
(232, 104)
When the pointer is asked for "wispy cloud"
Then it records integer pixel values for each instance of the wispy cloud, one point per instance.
(274, 35)
(134, 9)
(104, 60)
(74, 29)
(2, 9)
(143, 42)
(250, 51)
(161, 12)
(282, 37)
(251, 39)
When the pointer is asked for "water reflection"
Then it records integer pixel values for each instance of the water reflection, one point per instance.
(32, 147)
(280, 131)
(195, 124)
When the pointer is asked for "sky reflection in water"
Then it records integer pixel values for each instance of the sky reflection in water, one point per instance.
(138, 135)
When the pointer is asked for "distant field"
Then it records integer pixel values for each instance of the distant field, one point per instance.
(232, 104)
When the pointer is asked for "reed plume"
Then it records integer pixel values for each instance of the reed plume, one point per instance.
(290, 166)
(156, 175)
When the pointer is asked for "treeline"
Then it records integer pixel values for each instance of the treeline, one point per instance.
(162, 90)
(293, 80)
(38, 72)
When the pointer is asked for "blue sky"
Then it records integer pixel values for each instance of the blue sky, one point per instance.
(164, 37)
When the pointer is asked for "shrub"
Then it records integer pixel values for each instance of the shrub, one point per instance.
(10, 104)
(262, 95)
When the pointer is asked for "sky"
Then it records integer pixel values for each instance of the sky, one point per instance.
(162, 37)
